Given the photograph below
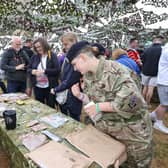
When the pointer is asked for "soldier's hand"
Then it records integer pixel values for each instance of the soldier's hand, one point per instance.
(76, 90)
(20, 67)
(90, 110)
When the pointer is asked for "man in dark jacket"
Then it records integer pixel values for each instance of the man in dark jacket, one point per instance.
(14, 63)
(27, 47)
(150, 60)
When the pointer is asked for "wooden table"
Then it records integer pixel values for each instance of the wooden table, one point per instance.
(9, 139)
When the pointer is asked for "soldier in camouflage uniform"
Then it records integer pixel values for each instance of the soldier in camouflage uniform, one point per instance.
(124, 111)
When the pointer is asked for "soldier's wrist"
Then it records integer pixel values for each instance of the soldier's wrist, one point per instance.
(98, 108)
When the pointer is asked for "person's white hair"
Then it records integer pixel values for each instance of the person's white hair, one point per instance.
(15, 38)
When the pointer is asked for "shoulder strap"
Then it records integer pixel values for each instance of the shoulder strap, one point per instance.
(62, 67)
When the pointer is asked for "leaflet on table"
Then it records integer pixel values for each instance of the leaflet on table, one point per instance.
(32, 141)
(39, 127)
(52, 136)
(13, 97)
(32, 123)
(3, 107)
(54, 120)
(36, 110)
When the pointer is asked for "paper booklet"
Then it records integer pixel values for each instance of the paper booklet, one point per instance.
(54, 120)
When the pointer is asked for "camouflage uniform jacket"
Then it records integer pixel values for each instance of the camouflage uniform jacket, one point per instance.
(129, 122)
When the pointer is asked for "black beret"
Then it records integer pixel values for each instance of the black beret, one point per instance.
(100, 48)
(75, 49)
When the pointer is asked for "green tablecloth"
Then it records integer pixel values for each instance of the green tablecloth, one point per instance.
(10, 141)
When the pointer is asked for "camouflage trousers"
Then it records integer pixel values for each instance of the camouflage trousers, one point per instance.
(139, 156)
(138, 145)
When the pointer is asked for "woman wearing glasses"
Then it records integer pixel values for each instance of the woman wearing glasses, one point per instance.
(44, 71)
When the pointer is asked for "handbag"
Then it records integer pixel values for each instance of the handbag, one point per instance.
(61, 97)
(2, 74)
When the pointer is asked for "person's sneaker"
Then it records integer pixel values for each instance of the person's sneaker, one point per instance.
(161, 127)
(153, 116)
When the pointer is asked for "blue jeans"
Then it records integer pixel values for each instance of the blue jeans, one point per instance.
(15, 86)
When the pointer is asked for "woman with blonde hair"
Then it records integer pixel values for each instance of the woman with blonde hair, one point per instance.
(69, 104)
(67, 40)
(121, 56)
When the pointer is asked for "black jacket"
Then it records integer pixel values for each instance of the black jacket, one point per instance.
(69, 77)
(150, 60)
(29, 52)
(52, 69)
(10, 59)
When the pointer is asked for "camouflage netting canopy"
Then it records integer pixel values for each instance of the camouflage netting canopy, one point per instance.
(110, 22)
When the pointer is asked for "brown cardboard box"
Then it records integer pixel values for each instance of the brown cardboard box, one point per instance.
(54, 154)
(100, 147)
